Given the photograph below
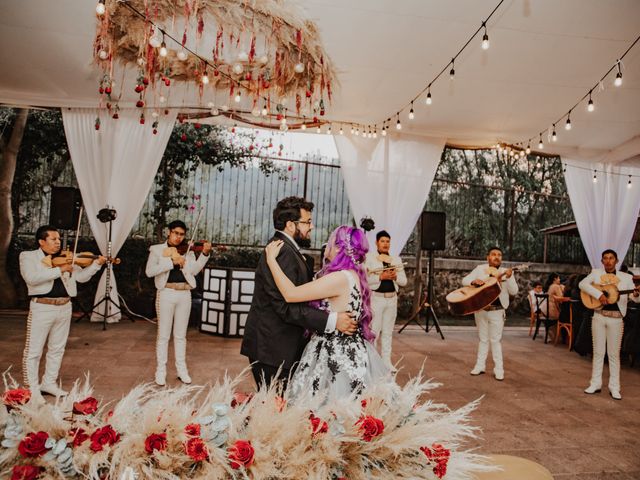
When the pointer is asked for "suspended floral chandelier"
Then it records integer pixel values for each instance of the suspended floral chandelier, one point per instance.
(254, 56)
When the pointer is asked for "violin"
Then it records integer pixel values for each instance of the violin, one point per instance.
(183, 248)
(82, 259)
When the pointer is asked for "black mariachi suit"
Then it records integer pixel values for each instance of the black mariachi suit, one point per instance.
(274, 332)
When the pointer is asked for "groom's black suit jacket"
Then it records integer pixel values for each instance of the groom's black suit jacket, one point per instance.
(274, 332)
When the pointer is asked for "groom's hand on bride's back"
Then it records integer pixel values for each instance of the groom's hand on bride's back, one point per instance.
(346, 323)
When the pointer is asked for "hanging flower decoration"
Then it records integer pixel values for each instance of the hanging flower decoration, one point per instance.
(260, 51)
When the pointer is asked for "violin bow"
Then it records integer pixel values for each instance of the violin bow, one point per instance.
(195, 230)
(75, 242)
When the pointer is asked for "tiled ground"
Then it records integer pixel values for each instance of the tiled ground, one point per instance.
(539, 412)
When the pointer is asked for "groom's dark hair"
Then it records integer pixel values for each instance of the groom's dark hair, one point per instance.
(288, 210)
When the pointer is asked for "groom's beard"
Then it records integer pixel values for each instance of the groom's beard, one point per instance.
(300, 240)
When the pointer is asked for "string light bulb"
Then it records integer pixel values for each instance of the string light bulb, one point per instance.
(528, 150)
(303, 126)
(618, 81)
(238, 97)
(398, 124)
(341, 131)
(485, 38)
(375, 132)
(411, 114)
(567, 125)
(554, 136)
(429, 100)
(329, 130)
(590, 106)
(629, 182)
(452, 72)
(264, 111)
(318, 129)
(100, 8)
(540, 144)
(384, 131)
(205, 78)
(595, 177)
(163, 48)
(352, 130)
(182, 55)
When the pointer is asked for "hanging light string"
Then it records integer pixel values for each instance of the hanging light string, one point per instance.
(617, 65)
(602, 172)
(427, 88)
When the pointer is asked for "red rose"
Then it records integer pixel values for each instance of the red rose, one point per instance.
(241, 454)
(155, 441)
(363, 403)
(196, 449)
(370, 427)
(25, 472)
(104, 436)
(318, 425)
(86, 407)
(436, 453)
(192, 430)
(78, 436)
(33, 445)
(15, 397)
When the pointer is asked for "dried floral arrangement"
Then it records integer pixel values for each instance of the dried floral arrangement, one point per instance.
(263, 55)
(215, 432)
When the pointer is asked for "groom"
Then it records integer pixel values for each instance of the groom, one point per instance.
(274, 334)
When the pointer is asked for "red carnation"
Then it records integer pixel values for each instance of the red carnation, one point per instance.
(240, 398)
(183, 137)
(16, 397)
(25, 472)
(104, 436)
(78, 436)
(196, 449)
(197, 125)
(440, 455)
(155, 441)
(241, 454)
(363, 403)
(440, 470)
(33, 445)
(370, 427)
(85, 407)
(318, 425)
(192, 430)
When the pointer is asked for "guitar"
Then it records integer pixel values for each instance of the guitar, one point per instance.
(467, 300)
(609, 290)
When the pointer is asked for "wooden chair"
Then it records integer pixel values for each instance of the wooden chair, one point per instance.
(565, 322)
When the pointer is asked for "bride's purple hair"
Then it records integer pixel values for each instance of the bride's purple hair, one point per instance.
(350, 246)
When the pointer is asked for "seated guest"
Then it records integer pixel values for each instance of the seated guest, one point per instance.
(555, 289)
(541, 305)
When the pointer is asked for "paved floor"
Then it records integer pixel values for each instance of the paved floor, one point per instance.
(539, 412)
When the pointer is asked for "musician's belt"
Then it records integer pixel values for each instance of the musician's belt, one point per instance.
(178, 286)
(385, 294)
(610, 313)
(51, 300)
(491, 308)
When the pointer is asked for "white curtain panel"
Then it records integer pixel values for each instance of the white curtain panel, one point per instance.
(389, 179)
(115, 166)
(606, 211)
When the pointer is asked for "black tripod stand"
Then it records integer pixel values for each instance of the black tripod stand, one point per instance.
(425, 307)
(107, 300)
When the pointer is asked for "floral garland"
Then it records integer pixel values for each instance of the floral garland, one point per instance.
(213, 432)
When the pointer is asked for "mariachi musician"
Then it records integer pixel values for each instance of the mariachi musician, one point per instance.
(490, 320)
(174, 276)
(50, 288)
(385, 275)
(607, 325)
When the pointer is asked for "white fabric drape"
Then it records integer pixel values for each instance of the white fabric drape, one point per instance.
(389, 179)
(606, 212)
(115, 166)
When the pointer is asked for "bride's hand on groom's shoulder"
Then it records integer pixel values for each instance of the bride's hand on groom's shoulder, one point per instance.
(273, 249)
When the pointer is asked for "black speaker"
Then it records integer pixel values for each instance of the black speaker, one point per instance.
(65, 207)
(433, 230)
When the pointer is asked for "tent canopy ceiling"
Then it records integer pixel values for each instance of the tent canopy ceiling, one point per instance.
(544, 56)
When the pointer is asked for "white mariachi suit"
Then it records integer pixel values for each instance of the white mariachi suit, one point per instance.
(491, 322)
(47, 321)
(607, 331)
(384, 306)
(173, 306)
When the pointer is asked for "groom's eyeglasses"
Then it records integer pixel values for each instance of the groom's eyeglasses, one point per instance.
(306, 222)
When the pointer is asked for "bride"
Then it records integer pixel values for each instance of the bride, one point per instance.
(335, 364)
